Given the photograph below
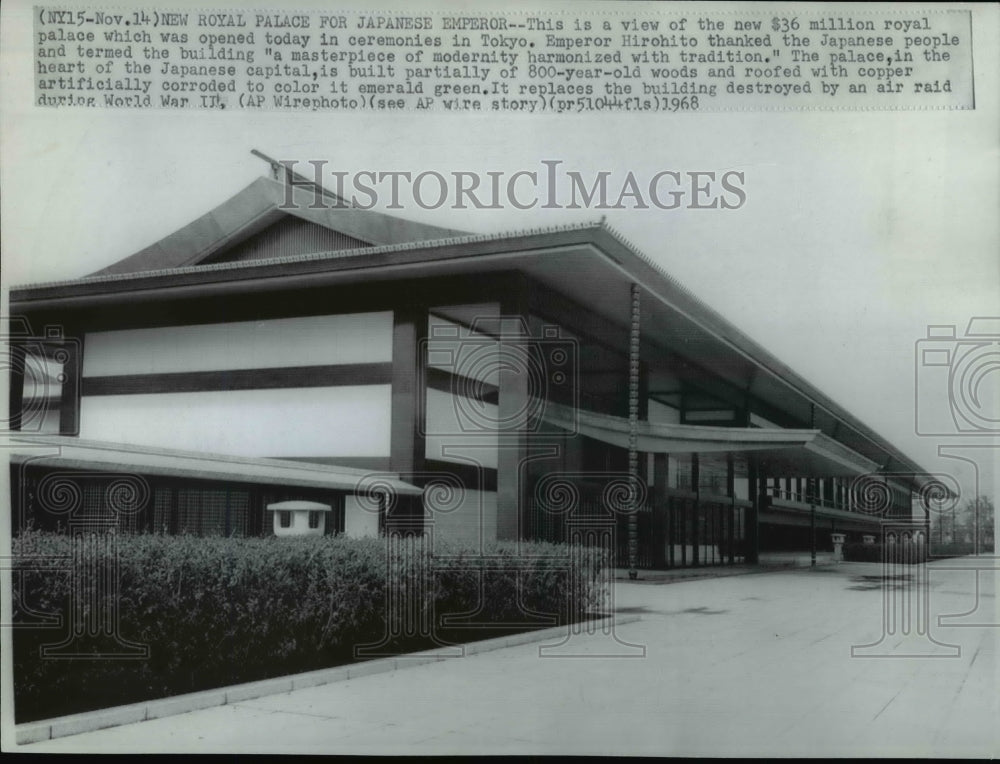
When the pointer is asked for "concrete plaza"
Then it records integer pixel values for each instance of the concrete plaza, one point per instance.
(758, 664)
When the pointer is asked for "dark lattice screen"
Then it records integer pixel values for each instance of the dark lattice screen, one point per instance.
(162, 505)
(239, 510)
(213, 512)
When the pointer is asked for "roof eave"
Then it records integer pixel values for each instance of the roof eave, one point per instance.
(312, 269)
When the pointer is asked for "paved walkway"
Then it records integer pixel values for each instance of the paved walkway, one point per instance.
(748, 665)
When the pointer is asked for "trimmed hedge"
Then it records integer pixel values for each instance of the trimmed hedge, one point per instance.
(901, 553)
(854, 552)
(217, 611)
(958, 549)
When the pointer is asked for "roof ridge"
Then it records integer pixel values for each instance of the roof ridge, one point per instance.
(312, 256)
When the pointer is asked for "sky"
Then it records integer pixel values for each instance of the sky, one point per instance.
(860, 229)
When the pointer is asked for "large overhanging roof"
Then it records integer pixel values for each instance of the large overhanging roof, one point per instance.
(260, 205)
(783, 452)
(588, 263)
(76, 454)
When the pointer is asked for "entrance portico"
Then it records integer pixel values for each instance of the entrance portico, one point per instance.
(708, 488)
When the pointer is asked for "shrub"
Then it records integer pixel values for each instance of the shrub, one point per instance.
(854, 552)
(216, 611)
(954, 549)
(900, 553)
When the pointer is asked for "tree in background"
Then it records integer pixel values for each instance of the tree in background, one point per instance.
(976, 514)
(957, 525)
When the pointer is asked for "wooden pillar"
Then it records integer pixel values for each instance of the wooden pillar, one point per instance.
(810, 489)
(685, 514)
(69, 403)
(696, 484)
(731, 492)
(661, 504)
(512, 409)
(643, 391)
(16, 392)
(409, 333)
(756, 488)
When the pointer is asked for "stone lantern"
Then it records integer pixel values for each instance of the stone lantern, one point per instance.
(299, 518)
(838, 545)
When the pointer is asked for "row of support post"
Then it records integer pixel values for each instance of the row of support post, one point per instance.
(410, 330)
(633, 434)
(811, 490)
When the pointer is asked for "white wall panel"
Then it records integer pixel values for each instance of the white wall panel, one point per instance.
(458, 427)
(301, 341)
(454, 348)
(360, 518)
(659, 413)
(741, 486)
(312, 421)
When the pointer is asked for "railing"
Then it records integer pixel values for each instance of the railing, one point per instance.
(802, 497)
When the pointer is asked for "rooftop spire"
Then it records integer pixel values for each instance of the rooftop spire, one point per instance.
(280, 168)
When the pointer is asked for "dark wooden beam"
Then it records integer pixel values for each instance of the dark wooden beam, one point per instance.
(260, 276)
(456, 384)
(241, 379)
(138, 310)
(473, 477)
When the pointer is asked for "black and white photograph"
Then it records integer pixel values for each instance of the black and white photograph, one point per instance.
(612, 378)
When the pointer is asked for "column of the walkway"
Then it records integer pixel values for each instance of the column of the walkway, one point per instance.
(752, 529)
(407, 446)
(661, 504)
(696, 518)
(731, 491)
(633, 434)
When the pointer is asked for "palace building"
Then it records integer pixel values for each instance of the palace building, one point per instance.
(488, 387)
